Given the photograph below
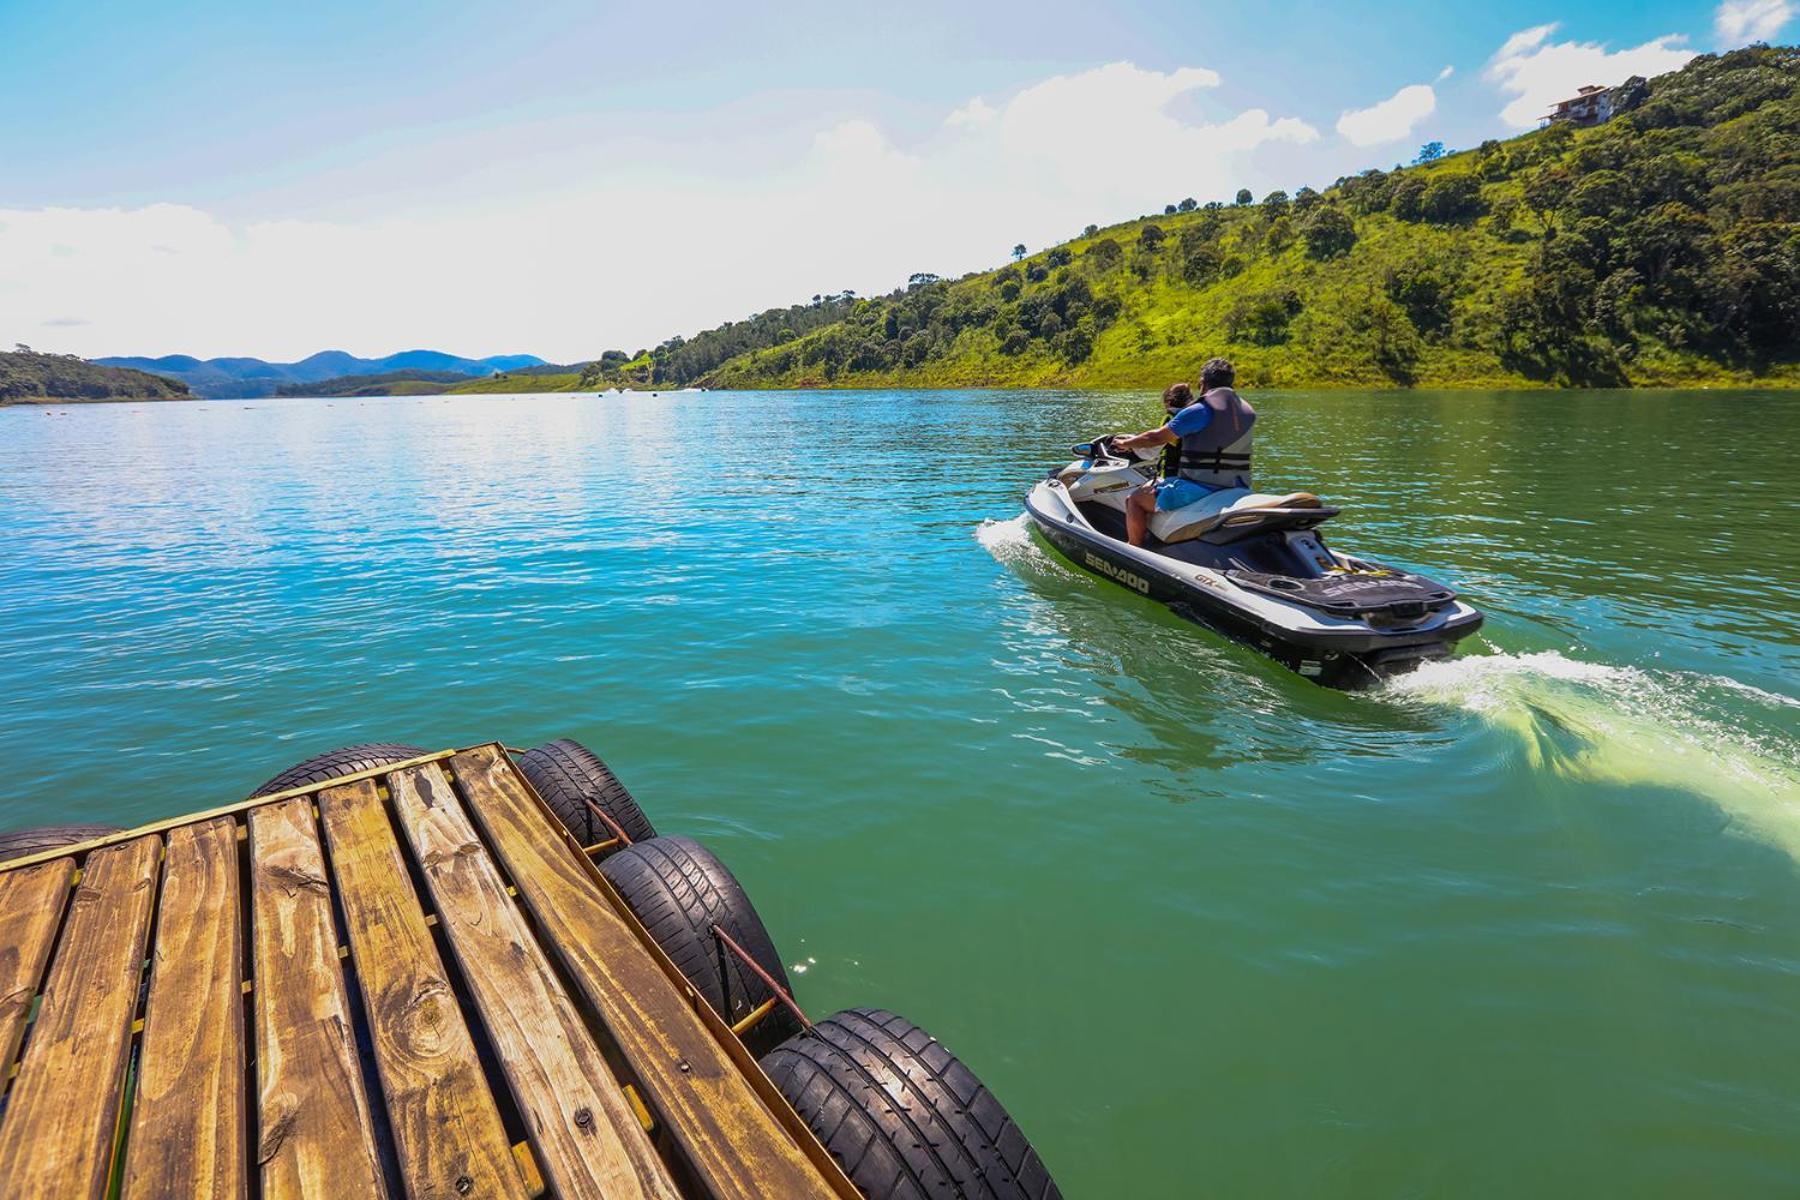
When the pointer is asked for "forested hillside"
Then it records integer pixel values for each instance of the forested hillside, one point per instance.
(680, 361)
(27, 377)
(1660, 248)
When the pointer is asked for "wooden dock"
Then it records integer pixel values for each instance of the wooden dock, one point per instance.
(409, 981)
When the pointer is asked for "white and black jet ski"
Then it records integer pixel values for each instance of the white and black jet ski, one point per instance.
(1253, 567)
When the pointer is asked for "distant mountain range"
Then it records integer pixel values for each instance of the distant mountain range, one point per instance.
(237, 377)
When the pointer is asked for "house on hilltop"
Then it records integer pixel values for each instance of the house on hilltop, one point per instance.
(1592, 105)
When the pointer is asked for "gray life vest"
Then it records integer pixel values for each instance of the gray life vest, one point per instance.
(1219, 455)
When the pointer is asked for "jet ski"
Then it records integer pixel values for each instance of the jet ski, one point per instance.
(1253, 567)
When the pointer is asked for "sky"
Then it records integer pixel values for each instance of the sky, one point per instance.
(559, 179)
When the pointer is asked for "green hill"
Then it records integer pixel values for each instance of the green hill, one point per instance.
(27, 377)
(388, 383)
(513, 382)
(680, 361)
(1661, 248)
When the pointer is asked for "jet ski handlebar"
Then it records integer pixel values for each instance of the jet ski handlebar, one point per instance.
(1098, 448)
(1101, 449)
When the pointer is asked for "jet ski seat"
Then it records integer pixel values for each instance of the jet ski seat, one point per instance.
(1192, 520)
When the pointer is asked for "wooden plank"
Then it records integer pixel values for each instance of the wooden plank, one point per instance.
(314, 1136)
(187, 1121)
(732, 1140)
(447, 1130)
(588, 1142)
(63, 1117)
(224, 810)
(31, 905)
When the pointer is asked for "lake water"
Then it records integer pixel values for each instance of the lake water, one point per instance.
(1525, 924)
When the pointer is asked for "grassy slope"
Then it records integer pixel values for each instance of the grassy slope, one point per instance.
(1166, 327)
(512, 384)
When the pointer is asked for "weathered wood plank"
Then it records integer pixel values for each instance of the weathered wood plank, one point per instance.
(588, 1142)
(31, 905)
(314, 1136)
(63, 1116)
(729, 1136)
(187, 1121)
(447, 1130)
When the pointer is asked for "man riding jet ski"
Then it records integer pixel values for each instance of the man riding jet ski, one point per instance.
(1208, 447)
(1250, 565)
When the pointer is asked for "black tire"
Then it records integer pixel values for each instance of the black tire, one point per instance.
(679, 890)
(902, 1115)
(22, 842)
(346, 760)
(568, 775)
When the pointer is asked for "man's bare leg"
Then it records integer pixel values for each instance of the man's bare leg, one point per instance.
(1138, 507)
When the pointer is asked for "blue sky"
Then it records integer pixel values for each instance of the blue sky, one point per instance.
(560, 179)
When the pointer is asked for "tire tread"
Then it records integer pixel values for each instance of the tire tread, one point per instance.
(902, 1115)
(679, 891)
(567, 774)
(345, 760)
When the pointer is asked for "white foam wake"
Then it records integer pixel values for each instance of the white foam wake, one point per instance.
(1010, 542)
(1625, 725)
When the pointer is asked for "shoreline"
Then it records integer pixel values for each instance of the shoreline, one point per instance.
(1789, 384)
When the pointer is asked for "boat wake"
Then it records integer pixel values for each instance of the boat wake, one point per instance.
(1732, 744)
(1011, 543)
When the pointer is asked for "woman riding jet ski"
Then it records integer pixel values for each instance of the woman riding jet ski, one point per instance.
(1250, 565)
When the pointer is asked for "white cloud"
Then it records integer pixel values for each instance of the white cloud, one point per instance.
(1739, 22)
(652, 248)
(1539, 72)
(1390, 120)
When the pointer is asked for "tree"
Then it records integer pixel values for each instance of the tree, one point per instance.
(1188, 205)
(1545, 190)
(923, 279)
(1150, 237)
(1200, 264)
(1090, 231)
(1404, 196)
(1503, 215)
(1450, 198)
(1430, 152)
(1753, 292)
(1304, 200)
(1424, 290)
(1168, 210)
(1392, 341)
(1263, 319)
(1059, 257)
(1275, 204)
(1329, 233)
(1105, 254)
(1018, 251)
(1244, 196)
(1280, 234)
(1075, 345)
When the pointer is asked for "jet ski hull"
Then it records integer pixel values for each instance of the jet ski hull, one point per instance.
(1335, 652)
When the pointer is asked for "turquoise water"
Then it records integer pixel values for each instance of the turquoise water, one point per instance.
(1522, 924)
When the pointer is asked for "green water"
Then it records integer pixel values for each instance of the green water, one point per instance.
(1527, 924)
